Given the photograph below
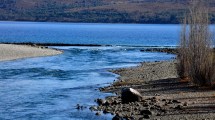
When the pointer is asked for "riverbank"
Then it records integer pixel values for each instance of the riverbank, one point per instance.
(165, 95)
(12, 51)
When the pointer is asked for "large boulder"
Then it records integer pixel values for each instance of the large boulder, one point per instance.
(130, 95)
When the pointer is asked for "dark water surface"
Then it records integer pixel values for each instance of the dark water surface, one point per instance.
(50, 87)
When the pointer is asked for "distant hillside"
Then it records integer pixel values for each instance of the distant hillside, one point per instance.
(103, 11)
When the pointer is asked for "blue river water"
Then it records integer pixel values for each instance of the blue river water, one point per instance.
(49, 88)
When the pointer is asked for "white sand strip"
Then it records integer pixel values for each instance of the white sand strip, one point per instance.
(12, 52)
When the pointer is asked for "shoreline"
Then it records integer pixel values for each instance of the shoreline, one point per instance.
(145, 47)
(165, 95)
(14, 51)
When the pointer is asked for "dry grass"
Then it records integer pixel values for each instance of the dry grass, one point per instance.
(196, 59)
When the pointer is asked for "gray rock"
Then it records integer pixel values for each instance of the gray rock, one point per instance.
(130, 95)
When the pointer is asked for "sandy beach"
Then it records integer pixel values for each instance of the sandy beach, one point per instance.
(165, 95)
(12, 51)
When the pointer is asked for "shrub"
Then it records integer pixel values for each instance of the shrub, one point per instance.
(196, 59)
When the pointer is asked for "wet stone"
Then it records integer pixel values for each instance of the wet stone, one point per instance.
(79, 107)
(93, 108)
(117, 117)
(100, 101)
(98, 113)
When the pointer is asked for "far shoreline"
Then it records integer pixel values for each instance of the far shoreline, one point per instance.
(132, 23)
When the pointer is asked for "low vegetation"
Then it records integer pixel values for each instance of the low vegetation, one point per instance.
(102, 11)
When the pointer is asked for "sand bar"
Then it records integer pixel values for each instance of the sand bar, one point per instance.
(12, 51)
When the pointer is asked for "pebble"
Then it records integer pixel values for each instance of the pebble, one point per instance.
(179, 107)
(185, 104)
(175, 101)
(146, 112)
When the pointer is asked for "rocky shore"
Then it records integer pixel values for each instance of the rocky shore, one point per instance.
(164, 95)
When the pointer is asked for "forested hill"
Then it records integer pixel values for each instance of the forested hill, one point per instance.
(102, 11)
